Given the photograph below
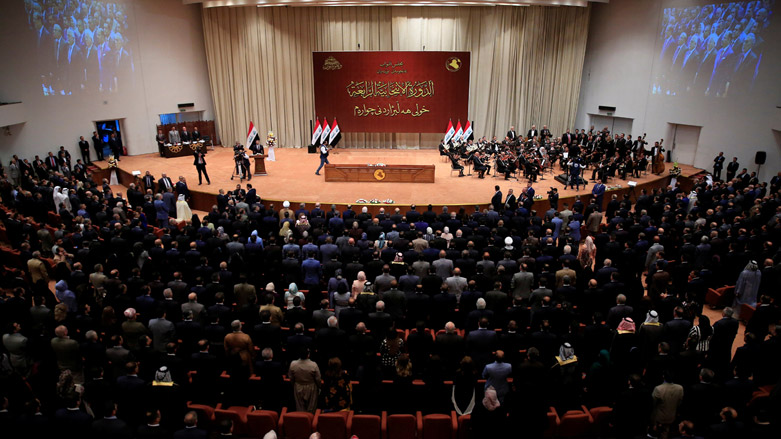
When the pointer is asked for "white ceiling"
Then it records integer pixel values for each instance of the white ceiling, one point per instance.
(304, 3)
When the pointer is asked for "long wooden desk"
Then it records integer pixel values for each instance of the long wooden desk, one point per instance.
(380, 174)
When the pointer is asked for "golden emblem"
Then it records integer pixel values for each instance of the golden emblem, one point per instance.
(331, 64)
(175, 148)
(379, 175)
(453, 64)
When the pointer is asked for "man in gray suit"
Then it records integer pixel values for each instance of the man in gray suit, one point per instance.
(383, 282)
(522, 283)
(443, 266)
(196, 308)
(173, 136)
(456, 284)
(163, 332)
(16, 345)
(67, 352)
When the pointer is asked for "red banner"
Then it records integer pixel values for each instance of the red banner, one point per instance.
(392, 92)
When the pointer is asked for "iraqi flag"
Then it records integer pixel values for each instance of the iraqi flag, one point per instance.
(326, 131)
(450, 131)
(252, 134)
(468, 130)
(459, 132)
(316, 133)
(333, 139)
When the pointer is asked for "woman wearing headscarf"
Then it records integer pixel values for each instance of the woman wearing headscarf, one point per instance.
(183, 212)
(587, 252)
(358, 284)
(340, 297)
(747, 286)
(446, 235)
(291, 293)
(379, 244)
(285, 231)
(702, 332)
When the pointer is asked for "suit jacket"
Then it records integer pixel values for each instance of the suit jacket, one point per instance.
(496, 201)
(185, 136)
(181, 189)
(173, 137)
(512, 135)
(163, 183)
(532, 133)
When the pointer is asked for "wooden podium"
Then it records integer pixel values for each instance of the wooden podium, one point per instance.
(260, 164)
(377, 174)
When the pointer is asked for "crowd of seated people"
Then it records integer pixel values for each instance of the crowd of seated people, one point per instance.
(114, 319)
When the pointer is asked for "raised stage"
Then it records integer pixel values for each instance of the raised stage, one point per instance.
(292, 177)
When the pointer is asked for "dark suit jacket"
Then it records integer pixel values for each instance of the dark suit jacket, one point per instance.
(195, 159)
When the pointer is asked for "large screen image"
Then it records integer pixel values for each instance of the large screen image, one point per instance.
(392, 92)
(713, 49)
(81, 46)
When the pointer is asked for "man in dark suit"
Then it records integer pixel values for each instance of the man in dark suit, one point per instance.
(598, 194)
(185, 135)
(161, 138)
(52, 164)
(199, 160)
(115, 145)
(732, 168)
(84, 148)
(545, 132)
(181, 188)
(511, 203)
(496, 200)
(718, 165)
(97, 143)
(677, 330)
(512, 135)
(164, 184)
(450, 347)
(110, 425)
(149, 181)
(191, 430)
(533, 132)
(567, 138)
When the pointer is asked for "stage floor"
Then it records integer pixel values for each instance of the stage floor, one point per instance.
(292, 177)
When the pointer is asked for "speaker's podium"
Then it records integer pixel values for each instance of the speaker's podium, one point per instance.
(260, 164)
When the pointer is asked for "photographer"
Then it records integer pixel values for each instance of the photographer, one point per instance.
(553, 198)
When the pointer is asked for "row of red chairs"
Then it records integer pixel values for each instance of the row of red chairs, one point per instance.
(247, 421)
(295, 425)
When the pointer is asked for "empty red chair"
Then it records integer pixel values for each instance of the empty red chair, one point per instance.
(553, 423)
(464, 426)
(236, 414)
(720, 297)
(205, 413)
(261, 422)
(336, 425)
(601, 416)
(296, 425)
(576, 423)
(400, 427)
(367, 426)
(438, 426)
(746, 312)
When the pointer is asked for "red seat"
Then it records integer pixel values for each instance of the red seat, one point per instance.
(236, 414)
(553, 423)
(336, 425)
(437, 426)
(746, 312)
(720, 297)
(400, 427)
(601, 416)
(464, 426)
(296, 425)
(261, 422)
(205, 413)
(367, 426)
(576, 423)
